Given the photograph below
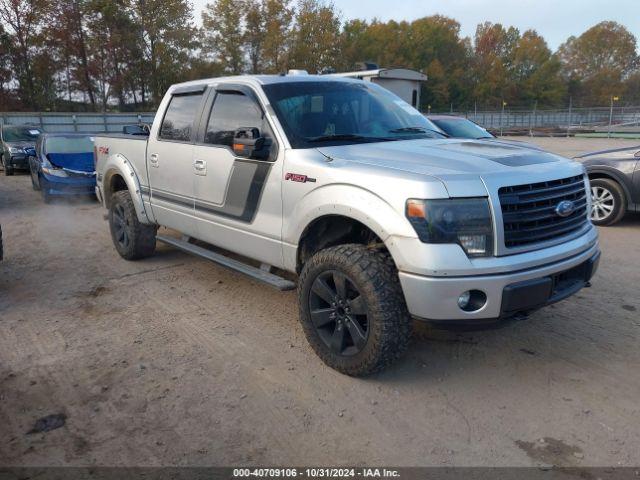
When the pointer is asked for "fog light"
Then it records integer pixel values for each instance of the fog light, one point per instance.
(463, 300)
(472, 300)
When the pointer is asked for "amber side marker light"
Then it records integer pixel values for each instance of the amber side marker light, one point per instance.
(416, 209)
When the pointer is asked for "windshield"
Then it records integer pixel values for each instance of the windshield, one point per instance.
(337, 113)
(70, 144)
(461, 128)
(20, 134)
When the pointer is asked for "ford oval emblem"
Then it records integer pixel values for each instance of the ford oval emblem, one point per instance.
(565, 208)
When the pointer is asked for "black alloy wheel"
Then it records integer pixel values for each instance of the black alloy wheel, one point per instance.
(121, 227)
(339, 313)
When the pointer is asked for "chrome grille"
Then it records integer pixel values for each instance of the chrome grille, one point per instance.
(529, 211)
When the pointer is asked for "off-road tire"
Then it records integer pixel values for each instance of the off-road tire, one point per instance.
(8, 170)
(34, 184)
(376, 278)
(619, 201)
(141, 238)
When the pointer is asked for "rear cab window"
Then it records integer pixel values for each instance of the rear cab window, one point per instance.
(179, 120)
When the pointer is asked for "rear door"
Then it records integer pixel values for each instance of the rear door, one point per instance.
(170, 160)
(238, 201)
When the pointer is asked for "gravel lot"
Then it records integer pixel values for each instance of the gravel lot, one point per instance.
(175, 361)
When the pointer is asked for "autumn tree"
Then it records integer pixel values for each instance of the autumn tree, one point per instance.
(315, 36)
(278, 19)
(597, 62)
(223, 34)
(5, 71)
(494, 47)
(166, 34)
(22, 22)
(535, 72)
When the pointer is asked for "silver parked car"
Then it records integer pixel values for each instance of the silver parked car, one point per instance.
(346, 187)
(615, 183)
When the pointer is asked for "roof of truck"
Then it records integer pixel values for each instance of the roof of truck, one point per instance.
(267, 79)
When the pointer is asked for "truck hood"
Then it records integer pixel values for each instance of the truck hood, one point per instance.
(447, 156)
(465, 167)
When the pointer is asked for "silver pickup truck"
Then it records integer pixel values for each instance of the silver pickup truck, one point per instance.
(345, 186)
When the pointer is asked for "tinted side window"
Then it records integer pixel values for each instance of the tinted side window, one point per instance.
(232, 110)
(178, 122)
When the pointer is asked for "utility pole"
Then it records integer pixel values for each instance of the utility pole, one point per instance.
(569, 122)
(502, 116)
(533, 123)
(611, 115)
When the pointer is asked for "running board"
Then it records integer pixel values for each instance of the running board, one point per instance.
(260, 274)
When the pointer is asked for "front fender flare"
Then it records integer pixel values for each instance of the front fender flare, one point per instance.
(348, 201)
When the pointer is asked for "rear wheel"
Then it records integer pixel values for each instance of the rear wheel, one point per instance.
(608, 202)
(132, 239)
(352, 309)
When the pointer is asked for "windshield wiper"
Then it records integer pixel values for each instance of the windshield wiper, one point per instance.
(339, 136)
(417, 130)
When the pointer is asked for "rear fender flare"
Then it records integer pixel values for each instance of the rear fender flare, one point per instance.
(117, 164)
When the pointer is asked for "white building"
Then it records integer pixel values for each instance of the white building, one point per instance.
(403, 82)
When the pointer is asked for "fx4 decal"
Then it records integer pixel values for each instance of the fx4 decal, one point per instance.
(297, 177)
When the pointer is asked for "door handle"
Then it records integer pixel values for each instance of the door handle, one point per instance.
(200, 167)
(153, 159)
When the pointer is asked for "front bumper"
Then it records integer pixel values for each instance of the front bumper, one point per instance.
(19, 161)
(436, 298)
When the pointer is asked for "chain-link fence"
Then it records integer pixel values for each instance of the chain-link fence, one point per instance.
(596, 118)
(77, 122)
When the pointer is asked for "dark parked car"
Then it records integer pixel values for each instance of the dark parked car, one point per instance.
(138, 129)
(63, 165)
(17, 144)
(615, 183)
(460, 127)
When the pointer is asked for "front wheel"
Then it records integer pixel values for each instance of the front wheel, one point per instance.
(8, 169)
(608, 202)
(133, 240)
(35, 181)
(352, 309)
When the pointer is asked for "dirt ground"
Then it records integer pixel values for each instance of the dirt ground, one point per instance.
(176, 361)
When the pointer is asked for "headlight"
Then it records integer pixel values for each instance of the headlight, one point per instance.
(465, 221)
(56, 172)
(16, 150)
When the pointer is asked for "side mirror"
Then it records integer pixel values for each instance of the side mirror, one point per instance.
(248, 143)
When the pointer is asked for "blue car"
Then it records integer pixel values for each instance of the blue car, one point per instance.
(63, 165)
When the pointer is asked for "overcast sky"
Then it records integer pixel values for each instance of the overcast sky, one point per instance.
(554, 19)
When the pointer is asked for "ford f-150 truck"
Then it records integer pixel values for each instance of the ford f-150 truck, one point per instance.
(376, 217)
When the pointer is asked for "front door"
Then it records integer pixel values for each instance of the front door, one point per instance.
(170, 162)
(237, 200)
